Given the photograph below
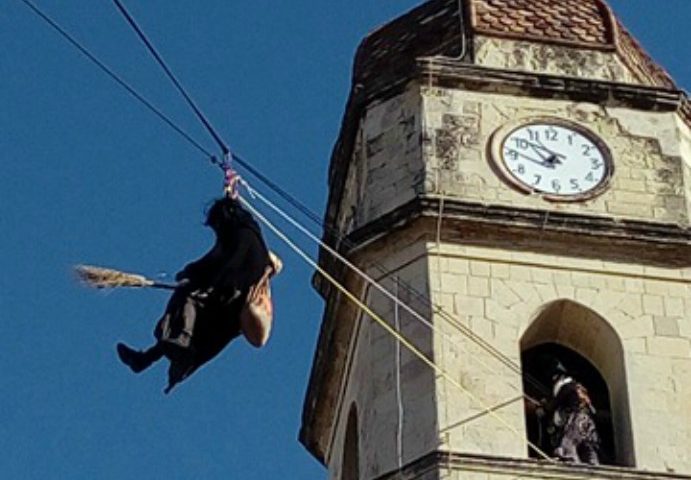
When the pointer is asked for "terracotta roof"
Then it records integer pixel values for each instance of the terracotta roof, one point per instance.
(579, 22)
(639, 62)
(433, 28)
(389, 54)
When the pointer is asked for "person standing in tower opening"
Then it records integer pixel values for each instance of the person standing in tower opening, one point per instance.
(203, 314)
(572, 419)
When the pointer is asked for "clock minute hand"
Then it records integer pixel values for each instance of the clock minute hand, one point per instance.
(552, 153)
(537, 150)
(553, 157)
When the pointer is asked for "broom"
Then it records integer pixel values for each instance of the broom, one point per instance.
(98, 277)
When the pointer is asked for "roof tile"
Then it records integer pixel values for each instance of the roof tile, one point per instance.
(434, 28)
(554, 19)
(582, 23)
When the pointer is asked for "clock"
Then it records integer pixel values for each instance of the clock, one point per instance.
(559, 159)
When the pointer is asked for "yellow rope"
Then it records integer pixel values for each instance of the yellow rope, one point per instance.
(464, 330)
(413, 349)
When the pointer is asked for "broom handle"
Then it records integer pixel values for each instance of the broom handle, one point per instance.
(169, 286)
(164, 286)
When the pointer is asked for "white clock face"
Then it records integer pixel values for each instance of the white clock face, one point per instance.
(556, 158)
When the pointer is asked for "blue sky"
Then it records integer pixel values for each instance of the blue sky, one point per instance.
(88, 175)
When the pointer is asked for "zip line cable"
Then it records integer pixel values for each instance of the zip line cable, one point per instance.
(149, 105)
(459, 326)
(405, 342)
(207, 124)
(171, 76)
(367, 278)
(115, 77)
(378, 286)
(279, 191)
(507, 361)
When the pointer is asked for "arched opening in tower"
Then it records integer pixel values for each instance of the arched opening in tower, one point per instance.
(588, 350)
(351, 448)
(537, 384)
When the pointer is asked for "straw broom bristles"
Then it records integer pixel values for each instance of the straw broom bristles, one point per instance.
(99, 277)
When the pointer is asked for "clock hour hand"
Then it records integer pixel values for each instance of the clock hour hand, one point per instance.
(551, 159)
(542, 163)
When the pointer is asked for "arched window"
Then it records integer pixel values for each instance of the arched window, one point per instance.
(593, 354)
(350, 469)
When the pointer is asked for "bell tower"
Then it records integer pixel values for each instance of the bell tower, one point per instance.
(518, 172)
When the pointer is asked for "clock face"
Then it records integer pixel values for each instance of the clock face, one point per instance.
(559, 159)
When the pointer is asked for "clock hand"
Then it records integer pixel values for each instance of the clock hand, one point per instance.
(534, 160)
(541, 145)
(553, 160)
(536, 150)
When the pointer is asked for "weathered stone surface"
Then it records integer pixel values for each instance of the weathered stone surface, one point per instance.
(551, 59)
(453, 465)
(660, 196)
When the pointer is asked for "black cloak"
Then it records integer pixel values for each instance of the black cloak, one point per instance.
(216, 287)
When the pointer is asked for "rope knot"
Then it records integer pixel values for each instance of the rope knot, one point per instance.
(230, 184)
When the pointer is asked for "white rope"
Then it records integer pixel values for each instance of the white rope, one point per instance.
(440, 285)
(412, 348)
(399, 396)
(461, 328)
(345, 261)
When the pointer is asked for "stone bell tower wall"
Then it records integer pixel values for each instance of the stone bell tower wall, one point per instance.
(650, 171)
(430, 142)
(522, 55)
(631, 322)
(391, 390)
(386, 169)
(413, 188)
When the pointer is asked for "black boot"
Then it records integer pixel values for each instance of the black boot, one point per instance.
(136, 360)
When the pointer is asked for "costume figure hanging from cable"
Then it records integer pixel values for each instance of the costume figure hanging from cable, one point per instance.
(205, 310)
(572, 419)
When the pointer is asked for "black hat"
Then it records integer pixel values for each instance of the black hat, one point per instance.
(221, 212)
(226, 215)
(558, 369)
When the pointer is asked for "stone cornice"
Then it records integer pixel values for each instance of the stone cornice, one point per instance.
(452, 74)
(522, 468)
(659, 244)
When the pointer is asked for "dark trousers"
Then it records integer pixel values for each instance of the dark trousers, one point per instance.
(175, 329)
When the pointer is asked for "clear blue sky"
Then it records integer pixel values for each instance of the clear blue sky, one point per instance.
(88, 175)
